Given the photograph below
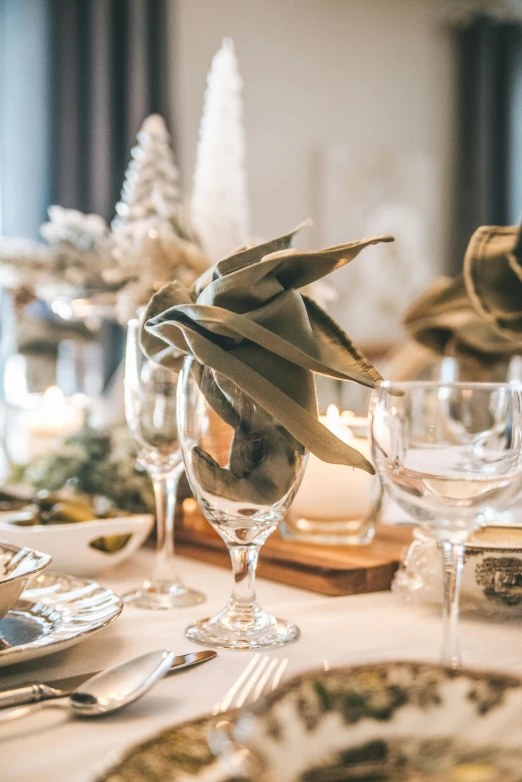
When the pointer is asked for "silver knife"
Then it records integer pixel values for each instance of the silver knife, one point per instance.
(61, 688)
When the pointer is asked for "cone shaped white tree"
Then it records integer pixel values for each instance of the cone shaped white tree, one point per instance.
(151, 192)
(152, 240)
(219, 208)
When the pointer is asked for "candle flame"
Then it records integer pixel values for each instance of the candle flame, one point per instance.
(53, 397)
(332, 416)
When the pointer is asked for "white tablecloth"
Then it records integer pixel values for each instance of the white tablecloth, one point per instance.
(53, 747)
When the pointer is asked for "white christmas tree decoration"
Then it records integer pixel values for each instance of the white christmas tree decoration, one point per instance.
(151, 192)
(219, 208)
(152, 240)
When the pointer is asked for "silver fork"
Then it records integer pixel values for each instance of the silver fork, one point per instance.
(262, 675)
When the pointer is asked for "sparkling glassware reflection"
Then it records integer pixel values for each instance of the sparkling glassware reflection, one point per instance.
(448, 454)
(150, 408)
(244, 469)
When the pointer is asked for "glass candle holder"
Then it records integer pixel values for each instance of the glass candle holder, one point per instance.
(336, 504)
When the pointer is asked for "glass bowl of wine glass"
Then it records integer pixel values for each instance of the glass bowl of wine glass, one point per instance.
(449, 455)
(244, 469)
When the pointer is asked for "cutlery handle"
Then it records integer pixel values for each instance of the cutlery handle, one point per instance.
(30, 693)
(8, 715)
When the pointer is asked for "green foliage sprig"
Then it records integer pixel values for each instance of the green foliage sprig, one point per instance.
(93, 462)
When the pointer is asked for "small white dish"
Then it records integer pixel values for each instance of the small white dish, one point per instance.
(17, 566)
(73, 546)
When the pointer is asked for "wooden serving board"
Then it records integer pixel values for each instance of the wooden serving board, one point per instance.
(329, 570)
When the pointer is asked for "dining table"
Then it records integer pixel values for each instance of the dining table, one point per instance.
(51, 745)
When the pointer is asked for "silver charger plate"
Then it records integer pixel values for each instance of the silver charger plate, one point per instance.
(54, 612)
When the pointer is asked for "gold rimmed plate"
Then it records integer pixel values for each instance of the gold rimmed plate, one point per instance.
(55, 611)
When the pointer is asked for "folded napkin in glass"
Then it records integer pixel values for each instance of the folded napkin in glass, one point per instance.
(247, 320)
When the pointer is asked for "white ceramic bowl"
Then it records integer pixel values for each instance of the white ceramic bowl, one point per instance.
(17, 566)
(70, 545)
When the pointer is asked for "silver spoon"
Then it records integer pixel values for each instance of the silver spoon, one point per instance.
(109, 690)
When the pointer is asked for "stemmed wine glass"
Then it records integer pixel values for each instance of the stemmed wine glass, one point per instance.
(150, 409)
(244, 469)
(448, 454)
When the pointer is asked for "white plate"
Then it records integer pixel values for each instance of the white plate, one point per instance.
(56, 611)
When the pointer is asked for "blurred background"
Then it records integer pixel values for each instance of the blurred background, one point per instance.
(369, 116)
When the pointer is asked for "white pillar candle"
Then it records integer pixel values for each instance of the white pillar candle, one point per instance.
(335, 492)
(52, 420)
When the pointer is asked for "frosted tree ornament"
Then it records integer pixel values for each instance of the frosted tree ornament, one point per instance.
(153, 242)
(219, 208)
(151, 190)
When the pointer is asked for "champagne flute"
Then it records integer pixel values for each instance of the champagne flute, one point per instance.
(448, 454)
(150, 409)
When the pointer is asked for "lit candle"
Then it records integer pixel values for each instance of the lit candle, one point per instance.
(335, 492)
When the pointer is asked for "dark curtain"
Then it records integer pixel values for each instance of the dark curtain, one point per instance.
(489, 74)
(109, 71)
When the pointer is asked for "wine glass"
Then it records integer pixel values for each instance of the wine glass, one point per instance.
(150, 409)
(448, 454)
(244, 469)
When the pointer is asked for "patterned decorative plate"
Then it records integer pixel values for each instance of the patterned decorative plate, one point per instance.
(54, 612)
(374, 723)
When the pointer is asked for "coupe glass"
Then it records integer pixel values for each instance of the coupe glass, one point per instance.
(448, 454)
(244, 469)
(150, 408)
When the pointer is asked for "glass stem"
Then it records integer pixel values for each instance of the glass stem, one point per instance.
(452, 564)
(244, 564)
(165, 490)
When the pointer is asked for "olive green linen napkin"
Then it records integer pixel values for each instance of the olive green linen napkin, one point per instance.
(246, 320)
(444, 319)
(264, 459)
(493, 276)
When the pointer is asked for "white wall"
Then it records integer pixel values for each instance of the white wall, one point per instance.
(363, 77)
